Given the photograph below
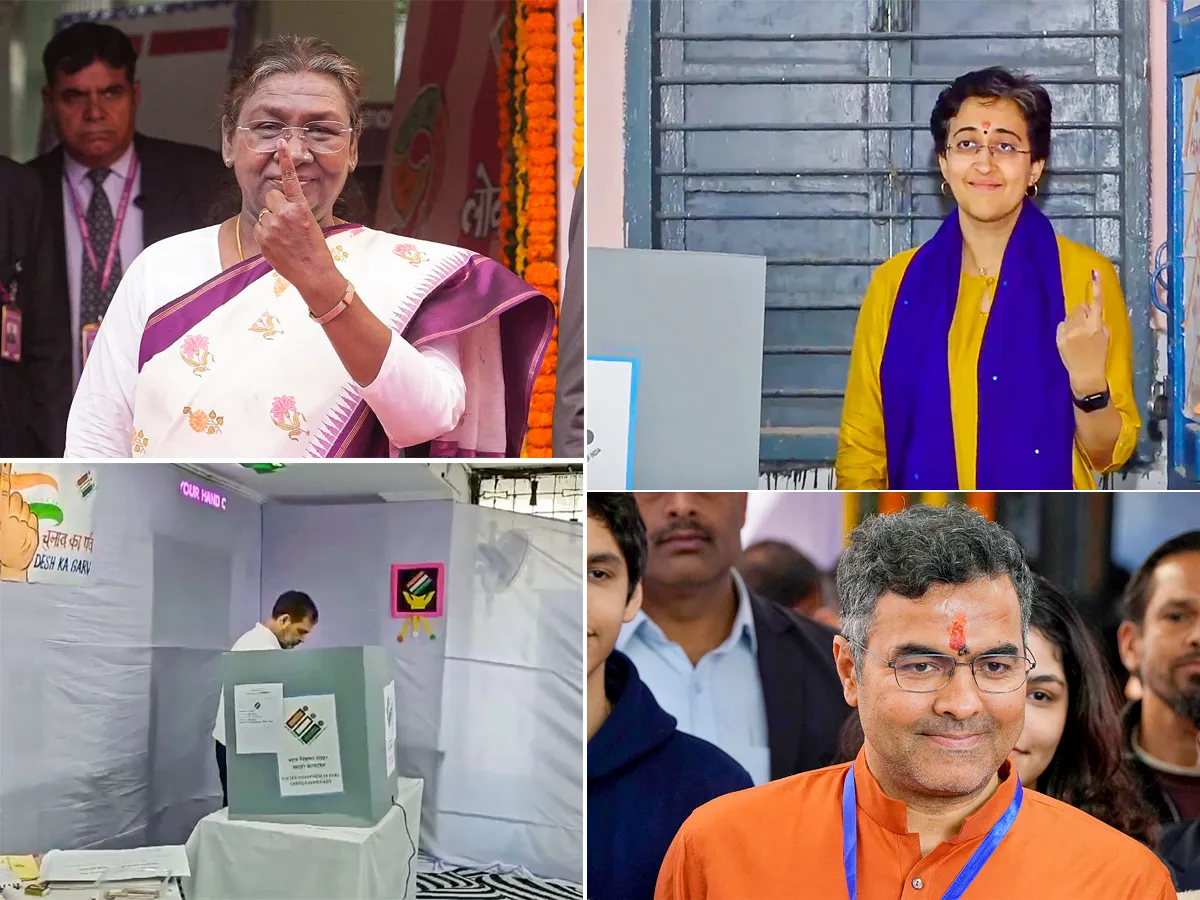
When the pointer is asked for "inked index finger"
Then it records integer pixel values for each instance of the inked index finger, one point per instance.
(5, 479)
(287, 169)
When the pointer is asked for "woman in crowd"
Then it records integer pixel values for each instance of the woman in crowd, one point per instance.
(287, 331)
(997, 355)
(1071, 747)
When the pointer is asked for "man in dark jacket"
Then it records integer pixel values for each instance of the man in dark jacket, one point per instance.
(35, 382)
(755, 679)
(644, 776)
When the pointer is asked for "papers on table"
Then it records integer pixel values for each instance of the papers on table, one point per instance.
(24, 867)
(115, 865)
(258, 710)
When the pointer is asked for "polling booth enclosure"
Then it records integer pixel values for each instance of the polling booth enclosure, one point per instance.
(442, 678)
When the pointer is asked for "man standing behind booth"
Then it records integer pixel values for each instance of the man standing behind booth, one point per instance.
(293, 617)
(151, 188)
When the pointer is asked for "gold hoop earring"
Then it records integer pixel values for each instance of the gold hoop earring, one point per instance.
(1033, 188)
(943, 189)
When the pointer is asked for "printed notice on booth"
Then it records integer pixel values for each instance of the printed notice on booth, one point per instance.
(310, 756)
(258, 710)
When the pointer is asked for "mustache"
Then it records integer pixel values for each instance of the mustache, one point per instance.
(681, 525)
(947, 728)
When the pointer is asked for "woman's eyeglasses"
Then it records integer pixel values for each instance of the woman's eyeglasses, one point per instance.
(319, 137)
(1002, 150)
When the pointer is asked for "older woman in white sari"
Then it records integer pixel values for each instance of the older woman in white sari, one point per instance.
(285, 331)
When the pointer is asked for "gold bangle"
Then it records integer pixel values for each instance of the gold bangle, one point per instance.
(341, 306)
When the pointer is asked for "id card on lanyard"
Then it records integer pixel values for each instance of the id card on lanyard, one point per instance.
(10, 319)
(115, 240)
(960, 884)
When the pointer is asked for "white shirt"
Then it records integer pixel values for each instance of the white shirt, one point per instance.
(130, 243)
(260, 637)
(417, 395)
(720, 699)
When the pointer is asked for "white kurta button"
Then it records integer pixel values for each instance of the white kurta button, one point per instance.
(918, 883)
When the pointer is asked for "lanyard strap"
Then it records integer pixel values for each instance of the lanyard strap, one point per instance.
(960, 884)
(115, 241)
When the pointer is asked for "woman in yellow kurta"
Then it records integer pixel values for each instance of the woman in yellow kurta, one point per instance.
(997, 355)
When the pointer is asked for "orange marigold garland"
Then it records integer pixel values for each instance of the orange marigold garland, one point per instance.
(528, 177)
(577, 135)
(537, 163)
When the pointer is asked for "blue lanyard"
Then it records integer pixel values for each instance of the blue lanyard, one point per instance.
(960, 884)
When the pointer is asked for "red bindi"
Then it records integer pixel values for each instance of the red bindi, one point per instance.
(958, 632)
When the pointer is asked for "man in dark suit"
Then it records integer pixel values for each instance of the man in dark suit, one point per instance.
(109, 192)
(757, 680)
(568, 383)
(35, 383)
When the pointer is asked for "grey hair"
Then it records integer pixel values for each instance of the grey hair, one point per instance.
(289, 54)
(910, 551)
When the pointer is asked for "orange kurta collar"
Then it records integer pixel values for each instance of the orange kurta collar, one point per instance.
(892, 814)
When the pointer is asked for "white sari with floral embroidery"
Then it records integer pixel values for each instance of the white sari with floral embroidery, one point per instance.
(237, 367)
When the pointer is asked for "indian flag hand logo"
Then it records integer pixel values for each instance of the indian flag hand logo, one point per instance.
(420, 591)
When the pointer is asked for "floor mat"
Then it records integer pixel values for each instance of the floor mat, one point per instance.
(472, 884)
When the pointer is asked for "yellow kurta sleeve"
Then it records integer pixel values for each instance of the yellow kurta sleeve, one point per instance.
(1077, 263)
(862, 451)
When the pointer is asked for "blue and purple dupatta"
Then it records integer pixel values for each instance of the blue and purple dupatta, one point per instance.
(1026, 417)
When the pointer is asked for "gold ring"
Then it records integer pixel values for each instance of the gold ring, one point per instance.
(261, 214)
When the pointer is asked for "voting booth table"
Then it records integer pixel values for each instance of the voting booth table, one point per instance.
(315, 807)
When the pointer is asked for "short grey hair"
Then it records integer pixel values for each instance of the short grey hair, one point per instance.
(909, 552)
(289, 54)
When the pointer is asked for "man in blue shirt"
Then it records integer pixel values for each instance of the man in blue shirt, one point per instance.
(644, 776)
(741, 672)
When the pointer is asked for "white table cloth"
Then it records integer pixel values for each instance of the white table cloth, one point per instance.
(244, 860)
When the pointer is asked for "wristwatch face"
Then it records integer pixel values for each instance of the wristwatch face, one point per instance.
(1093, 402)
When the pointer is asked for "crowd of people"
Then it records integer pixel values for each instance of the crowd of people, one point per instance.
(746, 739)
(162, 299)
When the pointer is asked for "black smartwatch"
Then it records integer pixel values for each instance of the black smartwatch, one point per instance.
(1092, 402)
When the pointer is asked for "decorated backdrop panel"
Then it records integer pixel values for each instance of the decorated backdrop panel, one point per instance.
(46, 522)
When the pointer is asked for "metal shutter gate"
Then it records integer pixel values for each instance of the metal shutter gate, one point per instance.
(798, 130)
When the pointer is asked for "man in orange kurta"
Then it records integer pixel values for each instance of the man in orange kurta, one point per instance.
(935, 609)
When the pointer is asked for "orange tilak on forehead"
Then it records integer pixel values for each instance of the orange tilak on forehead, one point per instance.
(958, 633)
(986, 126)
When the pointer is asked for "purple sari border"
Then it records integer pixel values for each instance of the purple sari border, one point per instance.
(486, 290)
(173, 320)
(351, 440)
